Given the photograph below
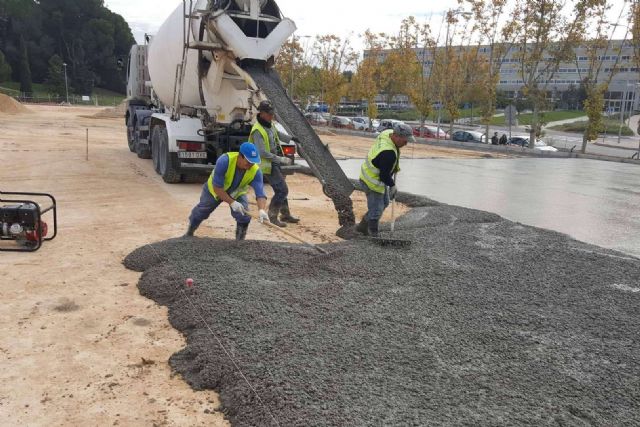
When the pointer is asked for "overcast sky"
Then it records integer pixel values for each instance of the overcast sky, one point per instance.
(342, 17)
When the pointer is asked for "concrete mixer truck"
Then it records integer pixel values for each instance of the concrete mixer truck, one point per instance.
(194, 87)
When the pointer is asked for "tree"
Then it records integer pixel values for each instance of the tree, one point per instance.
(546, 35)
(416, 50)
(55, 77)
(5, 69)
(488, 16)
(85, 34)
(367, 81)
(25, 68)
(596, 79)
(333, 56)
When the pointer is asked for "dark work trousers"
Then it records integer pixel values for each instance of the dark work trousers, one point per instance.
(279, 185)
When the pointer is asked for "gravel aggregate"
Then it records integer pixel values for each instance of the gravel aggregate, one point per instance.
(481, 321)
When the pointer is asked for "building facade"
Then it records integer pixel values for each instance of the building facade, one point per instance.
(618, 59)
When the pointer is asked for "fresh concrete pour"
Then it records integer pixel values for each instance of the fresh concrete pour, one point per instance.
(482, 321)
(335, 183)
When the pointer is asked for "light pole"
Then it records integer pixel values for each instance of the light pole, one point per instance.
(66, 85)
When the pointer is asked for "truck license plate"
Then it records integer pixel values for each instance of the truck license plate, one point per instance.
(192, 154)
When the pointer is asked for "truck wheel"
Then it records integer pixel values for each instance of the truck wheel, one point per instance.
(168, 168)
(155, 147)
(131, 141)
(143, 151)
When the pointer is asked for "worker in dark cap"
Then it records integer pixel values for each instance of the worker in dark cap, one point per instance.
(377, 175)
(267, 139)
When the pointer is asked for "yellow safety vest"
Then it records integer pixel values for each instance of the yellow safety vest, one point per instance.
(243, 188)
(371, 174)
(265, 165)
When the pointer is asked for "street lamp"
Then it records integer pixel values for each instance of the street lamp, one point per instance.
(66, 84)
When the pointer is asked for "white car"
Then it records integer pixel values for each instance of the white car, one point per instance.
(361, 123)
(540, 145)
(523, 141)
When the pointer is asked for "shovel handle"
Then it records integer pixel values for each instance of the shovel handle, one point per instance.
(294, 236)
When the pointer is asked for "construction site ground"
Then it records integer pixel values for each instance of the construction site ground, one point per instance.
(80, 345)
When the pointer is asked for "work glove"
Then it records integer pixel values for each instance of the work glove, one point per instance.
(285, 161)
(237, 207)
(393, 192)
(264, 217)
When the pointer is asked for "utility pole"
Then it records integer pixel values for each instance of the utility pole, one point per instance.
(66, 84)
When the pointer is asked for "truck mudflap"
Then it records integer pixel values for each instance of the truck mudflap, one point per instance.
(335, 183)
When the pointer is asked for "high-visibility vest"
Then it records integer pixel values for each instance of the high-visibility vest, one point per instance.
(371, 174)
(247, 179)
(265, 165)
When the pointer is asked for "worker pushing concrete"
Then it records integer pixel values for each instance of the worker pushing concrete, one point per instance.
(234, 174)
(267, 139)
(377, 175)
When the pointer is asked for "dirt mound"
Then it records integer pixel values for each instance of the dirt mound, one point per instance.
(482, 319)
(9, 105)
(113, 112)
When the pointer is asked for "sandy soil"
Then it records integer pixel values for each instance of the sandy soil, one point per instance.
(358, 147)
(80, 346)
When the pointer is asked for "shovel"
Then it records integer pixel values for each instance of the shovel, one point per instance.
(390, 241)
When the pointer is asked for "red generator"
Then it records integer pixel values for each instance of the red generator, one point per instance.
(22, 228)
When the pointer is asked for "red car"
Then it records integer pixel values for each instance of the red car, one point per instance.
(430, 132)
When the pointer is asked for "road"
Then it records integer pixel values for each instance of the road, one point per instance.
(596, 202)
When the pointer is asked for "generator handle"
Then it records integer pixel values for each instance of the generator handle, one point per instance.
(53, 207)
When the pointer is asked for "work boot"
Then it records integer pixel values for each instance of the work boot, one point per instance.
(274, 210)
(285, 214)
(363, 226)
(374, 228)
(190, 231)
(241, 231)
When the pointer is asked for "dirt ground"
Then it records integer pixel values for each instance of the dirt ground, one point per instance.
(80, 346)
(358, 147)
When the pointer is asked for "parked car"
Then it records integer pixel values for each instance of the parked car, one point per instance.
(361, 123)
(523, 141)
(469, 136)
(341, 122)
(387, 124)
(430, 132)
(316, 119)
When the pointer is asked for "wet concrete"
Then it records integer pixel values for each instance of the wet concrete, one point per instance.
(596, 202)
(335, 184)
(480, 322)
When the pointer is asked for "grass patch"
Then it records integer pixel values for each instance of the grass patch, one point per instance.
(612, 127)
(547, 117)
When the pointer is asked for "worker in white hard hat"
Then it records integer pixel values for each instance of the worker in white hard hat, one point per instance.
(229, 183)
(377, 175)
(267, 140)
